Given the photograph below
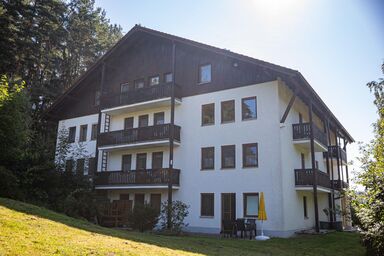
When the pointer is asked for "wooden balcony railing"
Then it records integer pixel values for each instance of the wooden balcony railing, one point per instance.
(340, 184)
(304, 177)
(141, 134)
(335, 151)
(138, 177)
(303, 132)
(139, 95)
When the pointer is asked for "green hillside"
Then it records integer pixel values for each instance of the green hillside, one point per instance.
(29, 230)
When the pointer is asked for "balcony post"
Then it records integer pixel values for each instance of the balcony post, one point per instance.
(314, 170)
(99, 117)
(332, 171)
(171, 138)
(338, 160)
(331, 197)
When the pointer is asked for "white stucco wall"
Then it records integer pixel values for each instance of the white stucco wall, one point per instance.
(239, 180)
(291, 159)
(88, 145)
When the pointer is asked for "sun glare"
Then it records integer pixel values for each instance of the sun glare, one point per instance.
(278, 9)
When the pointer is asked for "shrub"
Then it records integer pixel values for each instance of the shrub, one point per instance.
(9, 184)
(143, 217)
(179, 211)
(81, 204)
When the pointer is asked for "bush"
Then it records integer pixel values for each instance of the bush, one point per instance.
(179, 211)
(9, 184)
(81, 204)
(143, 217)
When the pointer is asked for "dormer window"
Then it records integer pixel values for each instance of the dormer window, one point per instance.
(205, 75)
(154, 80)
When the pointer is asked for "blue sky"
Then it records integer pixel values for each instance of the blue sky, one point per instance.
(337, 45)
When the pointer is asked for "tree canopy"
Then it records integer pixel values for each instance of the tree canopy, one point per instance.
(49, 43)
(369, 205)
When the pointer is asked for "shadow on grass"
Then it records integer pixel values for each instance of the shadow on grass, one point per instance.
(331, 244)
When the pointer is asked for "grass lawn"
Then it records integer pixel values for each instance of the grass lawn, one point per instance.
(29, 230)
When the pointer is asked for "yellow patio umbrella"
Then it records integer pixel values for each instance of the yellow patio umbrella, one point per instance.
(262, 216)
(262, 213)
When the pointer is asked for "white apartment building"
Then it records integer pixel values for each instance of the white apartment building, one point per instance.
(162, 117)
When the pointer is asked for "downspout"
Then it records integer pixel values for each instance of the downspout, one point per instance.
(314, 172)
(171, 138)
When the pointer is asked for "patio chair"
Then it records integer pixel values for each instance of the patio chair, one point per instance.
(251, 227)
(240, 227)
(227, 228)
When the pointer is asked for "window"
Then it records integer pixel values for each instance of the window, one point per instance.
(94, 132)
(249, 108)
(156, 202)
(305, 207)
(154, 80)
(124, 88)
(126, 163)
(157, 160)
(168, 77)
(302, 161)
(97, 98)
(158, 118)
(141, 161)
(228, 156)
(139, 83)
(227, 111)
(250, 158)
(139, 199)
(205, 74)
(208, 114)
(69, 165)
(80, 164)
(300, 118)
(207, 205)
(143, 121)
(83, 132)
(128, 123)
(208, 158)
(72, 134)
(251, 204)
(91, 167)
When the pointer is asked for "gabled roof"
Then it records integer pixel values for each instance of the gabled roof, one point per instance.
(286, 73)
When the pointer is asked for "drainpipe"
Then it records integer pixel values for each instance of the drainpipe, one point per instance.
(314, 170)
(171, 138)
(331, 195)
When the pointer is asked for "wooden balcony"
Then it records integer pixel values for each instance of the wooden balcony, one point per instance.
(156, 178)
(139, 99)
(335, 151)
(304, 180)
(156, 135)
(302, 137)
(340, 184)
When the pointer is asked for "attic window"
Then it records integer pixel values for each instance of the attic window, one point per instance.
(139, 83)
(205, 73)
(97, 98)
(154, 80)
(124, 88)
(168, 77)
